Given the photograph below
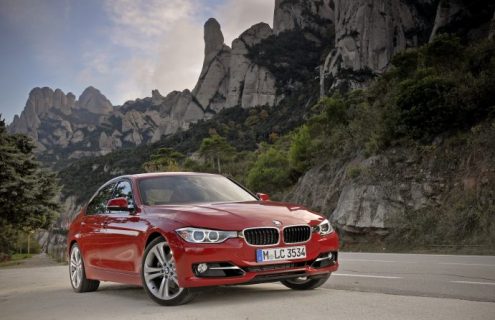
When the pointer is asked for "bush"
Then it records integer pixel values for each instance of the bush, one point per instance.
(301, 150)
(443, 86)
(289, 56)
(270, 172)
(425, 109)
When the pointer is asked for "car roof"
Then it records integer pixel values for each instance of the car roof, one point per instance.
(162, 174)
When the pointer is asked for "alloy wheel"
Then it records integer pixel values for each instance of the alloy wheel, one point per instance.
(160, 274)
(76, 267)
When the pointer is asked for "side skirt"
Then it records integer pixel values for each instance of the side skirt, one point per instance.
(120, 277)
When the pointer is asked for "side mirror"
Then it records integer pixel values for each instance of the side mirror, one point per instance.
(118, 204)
(263, 196)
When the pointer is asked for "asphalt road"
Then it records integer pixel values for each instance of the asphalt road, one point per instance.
(368, 286)
(444, 276)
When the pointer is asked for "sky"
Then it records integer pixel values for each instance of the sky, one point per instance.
(125, 48)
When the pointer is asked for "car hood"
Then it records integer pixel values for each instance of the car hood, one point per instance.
(236, 215)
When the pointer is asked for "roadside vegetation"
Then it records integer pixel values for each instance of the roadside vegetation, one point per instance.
(28, 193)
(15, 259)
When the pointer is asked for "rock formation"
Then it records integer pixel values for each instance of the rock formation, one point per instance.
(396, 182)
(91, 126)
(446, 11)
(369, 33)
(93, 101)
(302, 14)
(211, 89)
(249, 84)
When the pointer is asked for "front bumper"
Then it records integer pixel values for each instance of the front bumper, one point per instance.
(237, 252)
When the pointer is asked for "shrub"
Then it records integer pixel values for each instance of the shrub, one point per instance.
(270, 172)
(354, 171)
(301, 150)
(424, 108)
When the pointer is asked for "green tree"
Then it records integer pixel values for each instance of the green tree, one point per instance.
(217, 150)
(301, 150)
(425, 109)
(28, 194)
(270, 172)
(165, 159)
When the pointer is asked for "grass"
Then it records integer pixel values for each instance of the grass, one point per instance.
(15, 259)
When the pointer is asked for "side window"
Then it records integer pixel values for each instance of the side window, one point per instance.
(99, 203)
(124, 190)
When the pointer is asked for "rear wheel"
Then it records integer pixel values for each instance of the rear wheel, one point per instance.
(77, 273)
(159, 275)
(306, 283)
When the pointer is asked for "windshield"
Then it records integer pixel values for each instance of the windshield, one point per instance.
(166, 190)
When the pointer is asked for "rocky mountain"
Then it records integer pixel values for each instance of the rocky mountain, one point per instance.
(66, 128)
(315, 48)
(357, 41)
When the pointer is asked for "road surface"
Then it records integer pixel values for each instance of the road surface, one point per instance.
(367, 286)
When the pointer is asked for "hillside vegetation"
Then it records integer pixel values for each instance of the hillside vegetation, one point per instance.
(34, 191)
(433, 96)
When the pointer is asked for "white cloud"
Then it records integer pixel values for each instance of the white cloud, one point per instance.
(158, 44)
(235, 16)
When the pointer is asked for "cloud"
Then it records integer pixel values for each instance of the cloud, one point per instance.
(156, 44)
(235, 16)
(135, 22)
(149, 44)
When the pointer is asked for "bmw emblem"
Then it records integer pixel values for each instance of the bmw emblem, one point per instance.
(277, 223)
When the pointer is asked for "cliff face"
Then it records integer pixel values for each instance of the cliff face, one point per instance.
(300, 14)
(249, 84)
(368, 195)
(369, 33)
(228, 77)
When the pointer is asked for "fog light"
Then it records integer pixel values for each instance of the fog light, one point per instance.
(202, 267)
(330, 255)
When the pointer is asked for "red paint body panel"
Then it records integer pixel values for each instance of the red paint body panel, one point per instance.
(113, 243)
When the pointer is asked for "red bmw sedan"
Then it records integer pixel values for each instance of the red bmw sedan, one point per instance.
(174, 232)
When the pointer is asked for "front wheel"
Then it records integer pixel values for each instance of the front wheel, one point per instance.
(159, 275)
(77, 273)
(306, 283)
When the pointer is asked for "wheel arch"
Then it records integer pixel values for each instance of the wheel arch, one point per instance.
(69, 248)
(152, 236)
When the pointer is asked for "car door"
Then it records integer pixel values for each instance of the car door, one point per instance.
(123, 230)
(92, 228)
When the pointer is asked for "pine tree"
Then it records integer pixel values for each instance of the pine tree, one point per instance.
(28, 194)
(217, 149)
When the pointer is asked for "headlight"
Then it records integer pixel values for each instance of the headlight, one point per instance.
(197, 235)
(324, 228)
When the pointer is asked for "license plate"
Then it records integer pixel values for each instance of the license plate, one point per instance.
(277, 254)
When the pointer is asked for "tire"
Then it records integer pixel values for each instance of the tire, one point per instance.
(77, 273)
(159, 275)
(308, 283)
